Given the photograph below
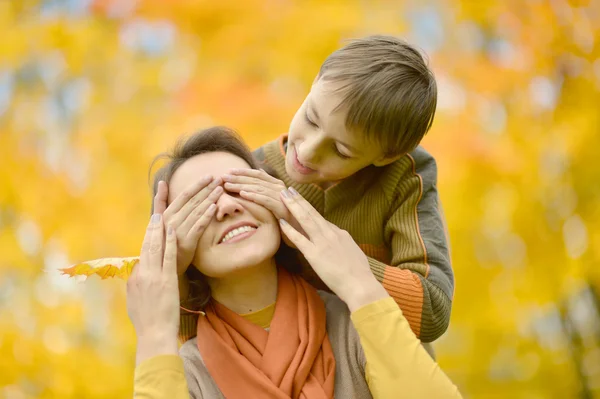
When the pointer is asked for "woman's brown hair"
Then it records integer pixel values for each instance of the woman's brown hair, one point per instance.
(214, 139)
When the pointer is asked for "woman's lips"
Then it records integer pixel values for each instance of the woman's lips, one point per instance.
(240, 237)
(298, 166)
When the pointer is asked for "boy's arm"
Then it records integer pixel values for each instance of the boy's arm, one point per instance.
(419, 276)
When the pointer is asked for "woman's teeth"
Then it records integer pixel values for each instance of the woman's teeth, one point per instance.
(236, 232)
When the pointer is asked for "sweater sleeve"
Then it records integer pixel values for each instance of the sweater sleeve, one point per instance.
(396, 362)
(419, 276)
(160, 377)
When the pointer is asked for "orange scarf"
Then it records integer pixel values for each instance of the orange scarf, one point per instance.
(292, 360)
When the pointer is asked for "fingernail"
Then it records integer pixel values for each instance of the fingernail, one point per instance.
(283, 222)
(170, 230)
(285, 193)
(155, 218)
(212, 207)
(226, 177)
(292, 191)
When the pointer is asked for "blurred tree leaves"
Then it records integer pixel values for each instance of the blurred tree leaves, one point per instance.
(90, 91)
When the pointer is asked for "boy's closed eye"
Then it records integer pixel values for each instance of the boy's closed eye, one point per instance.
(339, 153)
(335, 147)
(310, 121)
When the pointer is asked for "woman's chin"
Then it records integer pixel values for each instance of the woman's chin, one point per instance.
(237, 261)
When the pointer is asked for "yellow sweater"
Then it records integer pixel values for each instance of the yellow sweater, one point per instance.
(395, 364)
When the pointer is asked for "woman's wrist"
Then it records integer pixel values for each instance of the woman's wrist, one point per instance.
(364, 293)
(152, 345)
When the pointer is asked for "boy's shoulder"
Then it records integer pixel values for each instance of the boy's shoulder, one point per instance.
(418, 166)
(273, 147)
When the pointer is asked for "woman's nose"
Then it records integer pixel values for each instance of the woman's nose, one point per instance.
(228, 205)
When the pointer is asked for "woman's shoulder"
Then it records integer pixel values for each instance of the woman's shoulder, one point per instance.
(345, 342)
(200, 383)
(340, 329)
(192, 360)
(189, 349)
(334, 305)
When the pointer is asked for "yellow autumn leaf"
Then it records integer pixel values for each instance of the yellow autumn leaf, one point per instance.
(103, 267)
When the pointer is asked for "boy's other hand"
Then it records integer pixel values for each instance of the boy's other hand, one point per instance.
(263, 189)
(189, 214)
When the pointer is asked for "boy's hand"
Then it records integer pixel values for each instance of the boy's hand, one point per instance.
(189, 214)
(332, 253)
(263, 189)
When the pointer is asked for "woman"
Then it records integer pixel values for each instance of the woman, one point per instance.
(264, 332)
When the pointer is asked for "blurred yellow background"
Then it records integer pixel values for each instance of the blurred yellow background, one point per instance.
(91, 90)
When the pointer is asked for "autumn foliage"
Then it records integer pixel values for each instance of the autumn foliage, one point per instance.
(91, 91)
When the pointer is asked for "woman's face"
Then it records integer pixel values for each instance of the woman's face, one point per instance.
(242, 234)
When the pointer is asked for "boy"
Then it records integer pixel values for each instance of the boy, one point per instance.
(352, 152)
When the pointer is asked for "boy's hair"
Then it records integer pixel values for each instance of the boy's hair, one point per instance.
(389, 92)
(214, 139)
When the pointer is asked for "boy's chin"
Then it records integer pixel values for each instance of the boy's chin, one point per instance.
(299, 177)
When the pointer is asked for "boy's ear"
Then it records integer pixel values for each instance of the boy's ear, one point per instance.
(386, 160)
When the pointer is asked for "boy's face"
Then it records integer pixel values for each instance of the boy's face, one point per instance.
(320, 149)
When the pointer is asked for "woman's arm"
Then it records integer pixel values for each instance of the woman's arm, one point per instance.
(153, 307)
(396, 360)
(159, 376)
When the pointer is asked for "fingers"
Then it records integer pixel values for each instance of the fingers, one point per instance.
(169, 267)
(261, 188)
(187, 202)
(201, 224)
(273, 204)
(255, 173)
(197, 214)
(156, 249)
(308, 218)
(149, 245)
(302, 243)
(237, 181)
(191, 192)
(147, 239)
(160, 199)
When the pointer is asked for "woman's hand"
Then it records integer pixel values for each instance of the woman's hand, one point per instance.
(263, 189)
(332, 253)
(189, 214)
(152, 293)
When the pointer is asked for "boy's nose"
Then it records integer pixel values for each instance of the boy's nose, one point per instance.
(308, 152)
(228, 205)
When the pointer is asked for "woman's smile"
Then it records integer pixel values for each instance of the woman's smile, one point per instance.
(238, 233)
